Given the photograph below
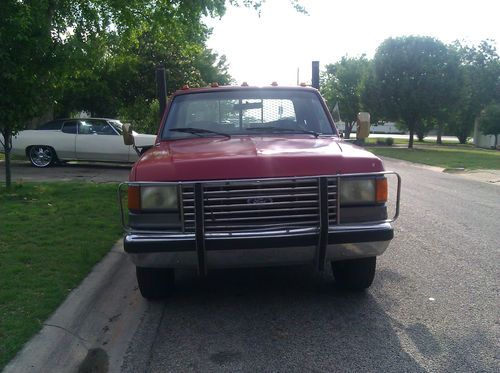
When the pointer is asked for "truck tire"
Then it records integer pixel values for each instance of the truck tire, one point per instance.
(355, 274)
(155, 283)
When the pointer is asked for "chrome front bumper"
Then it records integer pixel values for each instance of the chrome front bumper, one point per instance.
(281, 247)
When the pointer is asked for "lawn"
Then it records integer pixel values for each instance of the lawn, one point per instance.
(51, 235)
(446, 156)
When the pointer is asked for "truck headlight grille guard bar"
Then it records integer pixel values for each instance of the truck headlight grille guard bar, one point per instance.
(290, 203)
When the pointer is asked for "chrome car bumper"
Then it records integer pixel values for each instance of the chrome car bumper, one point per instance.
(280, 247)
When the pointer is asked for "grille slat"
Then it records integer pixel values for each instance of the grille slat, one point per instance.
(260, 190)
(259, 205)
(259, 195)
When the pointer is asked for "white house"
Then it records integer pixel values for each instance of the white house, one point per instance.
(484, 141)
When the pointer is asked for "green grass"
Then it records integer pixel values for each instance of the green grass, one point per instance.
(446, 156)
(51, 235)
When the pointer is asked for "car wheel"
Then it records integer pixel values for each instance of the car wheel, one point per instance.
(41, 155)
(155, 283)
(355, 274)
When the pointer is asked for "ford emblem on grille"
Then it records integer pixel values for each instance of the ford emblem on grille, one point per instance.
(259, 200)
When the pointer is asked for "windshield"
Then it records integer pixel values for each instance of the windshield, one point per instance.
(247, 112)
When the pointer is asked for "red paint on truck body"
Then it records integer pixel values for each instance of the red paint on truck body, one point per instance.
(244, 157)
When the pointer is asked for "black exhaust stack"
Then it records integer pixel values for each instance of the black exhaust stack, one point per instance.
(161, 89)
(315, 74)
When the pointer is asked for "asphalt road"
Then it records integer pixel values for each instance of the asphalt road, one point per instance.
(434, 305)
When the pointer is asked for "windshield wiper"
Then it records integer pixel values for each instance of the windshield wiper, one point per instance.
(277, 129)
(199, 131)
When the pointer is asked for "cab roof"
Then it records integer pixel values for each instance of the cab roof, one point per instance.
(242, 88)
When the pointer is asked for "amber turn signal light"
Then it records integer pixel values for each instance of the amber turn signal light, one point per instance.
(381, 190)
(134, 198)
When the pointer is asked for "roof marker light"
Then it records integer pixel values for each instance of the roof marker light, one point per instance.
(274, 84)
(244, 84)
(214, 85)
(303, 84)
(185, 87)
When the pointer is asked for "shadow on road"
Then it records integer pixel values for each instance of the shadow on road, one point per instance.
(272, 319)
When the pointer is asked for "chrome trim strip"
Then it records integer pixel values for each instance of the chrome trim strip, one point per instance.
(159, 235)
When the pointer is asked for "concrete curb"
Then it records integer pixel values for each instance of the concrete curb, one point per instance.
(91, 329)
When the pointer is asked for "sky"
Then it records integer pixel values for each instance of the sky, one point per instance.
(281, 41)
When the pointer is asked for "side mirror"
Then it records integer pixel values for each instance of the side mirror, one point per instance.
(363, 125)
(128, 138)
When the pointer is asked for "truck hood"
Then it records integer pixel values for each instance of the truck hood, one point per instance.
(243, 157)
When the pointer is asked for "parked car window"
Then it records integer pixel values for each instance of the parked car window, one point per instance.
(248, 112)
(91, 127)
(117, 125)
(70, 126)
(52, 125)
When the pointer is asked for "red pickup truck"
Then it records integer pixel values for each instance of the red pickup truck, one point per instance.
(247, 176)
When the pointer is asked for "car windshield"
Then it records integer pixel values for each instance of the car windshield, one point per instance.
(262, 112)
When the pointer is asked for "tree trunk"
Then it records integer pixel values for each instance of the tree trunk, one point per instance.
(7, 139)
(410, 140)
(420, 132)
(348, 129)
(462, 138)
(7, 170)
(439, 133)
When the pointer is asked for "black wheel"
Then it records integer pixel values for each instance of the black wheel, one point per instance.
(155, 283)
(355, 274)
(41, 156)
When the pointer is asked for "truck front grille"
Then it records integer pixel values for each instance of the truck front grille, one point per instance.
(259, 205)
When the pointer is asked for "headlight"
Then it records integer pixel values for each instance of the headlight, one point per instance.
(159, 198)
(153, 198)
(363, 191)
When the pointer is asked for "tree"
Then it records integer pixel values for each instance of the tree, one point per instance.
(489, 121)
(49, 48)
(480, 71)
(341, 83)
(414, 76)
